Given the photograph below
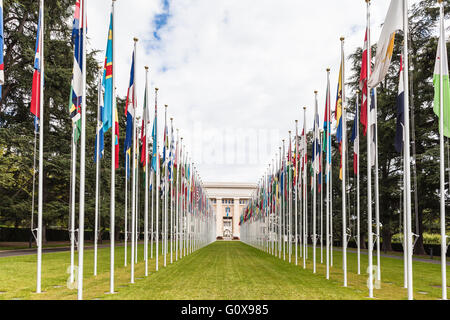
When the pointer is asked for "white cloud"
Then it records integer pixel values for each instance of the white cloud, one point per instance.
(235, 65)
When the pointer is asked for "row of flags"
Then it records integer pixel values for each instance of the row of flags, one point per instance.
(267, 220)
(176, 179)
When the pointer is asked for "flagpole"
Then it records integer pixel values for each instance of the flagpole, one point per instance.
(41, 153)
(358, 231)
(97, 177)
(305, 201)
(283, 207)
(290, 198)
(321, 197)
(369, 161)
(177, 184)
(442, 155)
(82, 164)
(279, 208)
(171, 193)
(377, 198)
(133, 159)
(165, 188)
(296, 191)
(328, 133)
(314, 156)
(156, 153)
(126, 210)
(407, 151)
(72, 214)
(145, 115)
(344, 166)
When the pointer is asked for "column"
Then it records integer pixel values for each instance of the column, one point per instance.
(219, 218)
(236, 215)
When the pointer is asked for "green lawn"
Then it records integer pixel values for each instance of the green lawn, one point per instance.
(222, 270)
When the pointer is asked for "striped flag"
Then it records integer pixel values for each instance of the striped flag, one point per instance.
(363, 85)
(77, 73)
(338, 115)
(36, 88)
(129, 110)
(355, 140)
(108, 80)
(400, 111)
(99, 134)
(116, 138)
(144, 129)
(437, 88)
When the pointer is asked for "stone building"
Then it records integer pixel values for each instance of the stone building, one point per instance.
(228, 201)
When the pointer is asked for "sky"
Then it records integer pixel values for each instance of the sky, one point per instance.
(235, 74)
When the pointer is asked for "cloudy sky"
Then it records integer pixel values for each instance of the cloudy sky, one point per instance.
(235, 73)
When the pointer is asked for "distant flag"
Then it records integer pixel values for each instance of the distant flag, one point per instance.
(363, 85)
(338, 115)
(171, 154)
(385, 45)
(165, 145)
(400, 111)
(144, 129)
(36, 88)
(355, 140)
(99, 134)
(316, 143)
(129, 111)
(108, 80)
(372, 117)
(2, 65)
(437, 84)
(155, 139)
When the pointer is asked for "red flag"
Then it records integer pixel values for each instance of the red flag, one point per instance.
(363, 85)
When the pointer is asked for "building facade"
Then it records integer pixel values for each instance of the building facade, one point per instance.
(228, 201)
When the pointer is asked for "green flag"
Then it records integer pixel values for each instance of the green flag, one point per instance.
(437, 88)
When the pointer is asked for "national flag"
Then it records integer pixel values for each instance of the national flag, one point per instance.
(144, 130)
(363, 84)
(316, 142)
(400, 111)
(171, 154)
(355, 140)
(36, 88)
(108, 80)
(99, 134)
(372, 126)
(385, 45)
(446, 88)
(77, 73)
(154, 139)
(165, 144)
(338, 115)
(2, 65)
(129, 110)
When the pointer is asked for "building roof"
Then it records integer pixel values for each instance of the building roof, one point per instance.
(229, 189)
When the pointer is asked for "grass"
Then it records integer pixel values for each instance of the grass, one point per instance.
(222, 271)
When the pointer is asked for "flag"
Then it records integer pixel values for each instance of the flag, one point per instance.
(355, 140)
(338, 115)
(316, 143)
(400, 111)
(385, 45)
(437, 88)
(36, 88)
(171, 154)
(144, 130)
(154, 140)
(108, 80)
(166, 144)
(129, 110)
(99, 134)
(2, 65)
(77, 73)
(363, 84)
(372, 126)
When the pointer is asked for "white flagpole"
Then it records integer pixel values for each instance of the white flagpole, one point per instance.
(177, 193)
(151, 218)
(407, 150)
(442, 158)
(358, 222)
(165, 189)
(133, 160)
(157, 195)
(296, 191)
(314, 155)
(171, 193)
(305, 201)
(41, 153)
(97, 176)
(328, 171)
(369, 161)
(344, 166)
(113, 162)
(72, 214)
(377, 198)
(145, 115)
(283, 202)
(279, 208)
(290, 200)
(82, 163)
(321, 197)
(126, 211)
